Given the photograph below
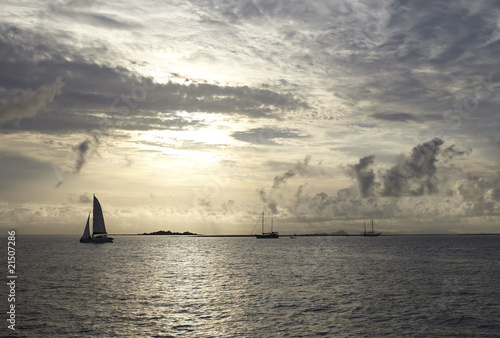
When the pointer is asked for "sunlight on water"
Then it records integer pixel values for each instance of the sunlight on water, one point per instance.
(211, 287)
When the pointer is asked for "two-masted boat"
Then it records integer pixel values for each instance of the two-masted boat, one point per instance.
(371, 233)
(99, 234)
(271, 234)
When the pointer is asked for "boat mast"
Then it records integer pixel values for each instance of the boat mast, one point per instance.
(263, 222)
(271, 224)
(92, 211)
(364, 225)
(372, 226)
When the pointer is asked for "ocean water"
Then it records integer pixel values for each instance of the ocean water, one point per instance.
(176, 286)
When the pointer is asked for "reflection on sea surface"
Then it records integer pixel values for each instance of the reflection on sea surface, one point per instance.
(191, 286)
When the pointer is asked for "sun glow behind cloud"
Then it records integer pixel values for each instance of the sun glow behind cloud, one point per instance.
(241, 94)
(212, 129)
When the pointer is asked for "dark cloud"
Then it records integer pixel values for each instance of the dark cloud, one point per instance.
(400, 73)
(397, 117)
(23, 104)
(364, 175)
(117, 93)
(414, 175)
(38, 59)
(82, 150)
(211, 98)
(266, 135)
(279, 180)
(423, 60)
(74, 120)
(453, 151)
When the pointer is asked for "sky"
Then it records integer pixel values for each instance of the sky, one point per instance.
(200, 115)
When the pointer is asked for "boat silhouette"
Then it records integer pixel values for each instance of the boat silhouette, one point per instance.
(371, 233)
(271, 234)
(99, 234)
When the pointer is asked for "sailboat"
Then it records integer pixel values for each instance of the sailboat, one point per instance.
(99, 234)
(271, 234)
(371, 233)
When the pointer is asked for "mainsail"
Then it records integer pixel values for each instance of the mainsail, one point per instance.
(98, 220)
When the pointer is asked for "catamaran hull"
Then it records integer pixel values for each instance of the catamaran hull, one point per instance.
(267, 236)
(97, 240)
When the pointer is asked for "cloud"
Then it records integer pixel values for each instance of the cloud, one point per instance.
(94, 92)
(302, 168)
(270, 202)
(476, 188)
(266, 135)
(95, 19)
(316, 64)
(452, 152)
(24, 104)
(82, 150)
(205, 202)
(414, 175)
(480, 195)
(364, 175)
(279, 180)
(83, 198)
(413, 179)
(398, 117)
(240, 100)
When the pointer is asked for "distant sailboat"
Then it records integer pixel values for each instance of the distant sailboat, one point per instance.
(271, 234)
(99, 234)
(371, 233)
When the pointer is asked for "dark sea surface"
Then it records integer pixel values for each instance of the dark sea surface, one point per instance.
(161, 286)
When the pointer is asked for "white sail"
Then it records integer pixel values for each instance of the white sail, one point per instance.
(98, 220)
(86, 232)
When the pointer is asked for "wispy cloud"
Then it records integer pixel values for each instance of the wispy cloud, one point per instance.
(27, 103)
(267, 135)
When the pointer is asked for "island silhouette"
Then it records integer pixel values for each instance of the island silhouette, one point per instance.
(168, 232)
